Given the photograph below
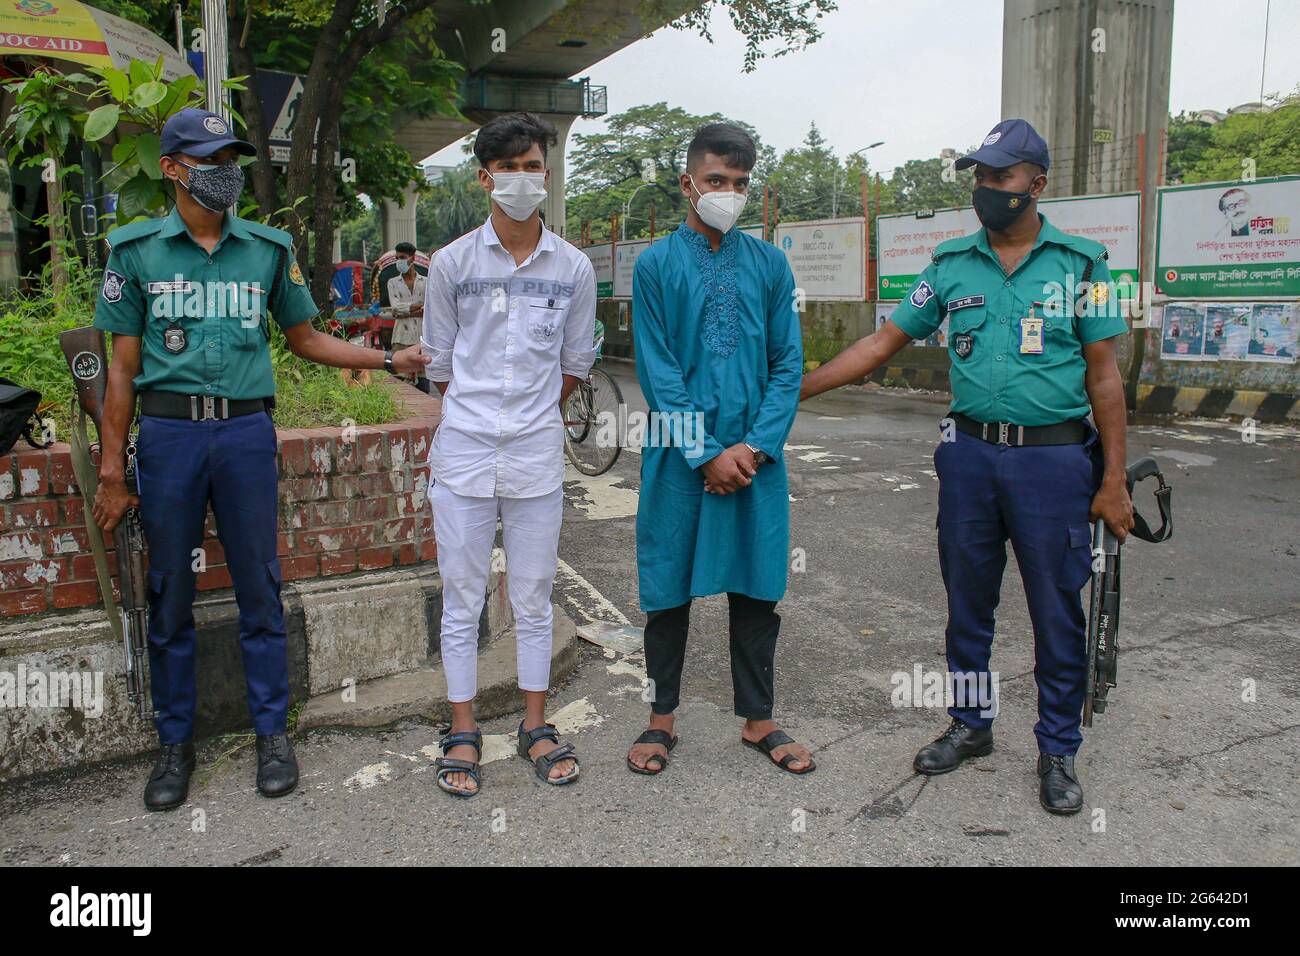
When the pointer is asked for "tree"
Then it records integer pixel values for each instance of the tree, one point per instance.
(813, 183)
(921, 184)
(1266, 143)
(790, 23)
(606, 169)
(451, 207)
(44, 117)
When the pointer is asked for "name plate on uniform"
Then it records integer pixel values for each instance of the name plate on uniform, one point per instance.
(164, 288)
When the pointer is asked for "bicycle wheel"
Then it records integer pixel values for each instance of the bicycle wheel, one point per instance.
(590, 411)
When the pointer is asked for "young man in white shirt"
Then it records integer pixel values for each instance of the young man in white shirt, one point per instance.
(406, 299)
(509, 323)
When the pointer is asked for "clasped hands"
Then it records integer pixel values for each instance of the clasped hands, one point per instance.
(730, 471)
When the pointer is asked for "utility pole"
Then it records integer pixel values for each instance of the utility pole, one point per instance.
(216, 69)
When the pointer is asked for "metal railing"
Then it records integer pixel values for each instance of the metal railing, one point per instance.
(508, 93)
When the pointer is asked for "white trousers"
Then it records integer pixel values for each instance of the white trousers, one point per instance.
(465, 529)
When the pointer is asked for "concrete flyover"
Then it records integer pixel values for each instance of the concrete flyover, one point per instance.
(518, 55)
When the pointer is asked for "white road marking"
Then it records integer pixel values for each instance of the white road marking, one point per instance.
(600, 499)
(575, 716)
(369, 776)
(593, 605)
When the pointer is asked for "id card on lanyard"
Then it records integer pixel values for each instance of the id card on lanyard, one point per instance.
(1031, 333)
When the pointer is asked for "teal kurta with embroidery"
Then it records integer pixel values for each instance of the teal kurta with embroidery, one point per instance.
(718, 344)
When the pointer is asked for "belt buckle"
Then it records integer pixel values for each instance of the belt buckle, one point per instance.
(1004, 429)
(209, 406)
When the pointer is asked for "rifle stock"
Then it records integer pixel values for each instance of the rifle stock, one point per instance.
(88, 361)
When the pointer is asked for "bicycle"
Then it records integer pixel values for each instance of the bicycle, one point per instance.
(588, 411)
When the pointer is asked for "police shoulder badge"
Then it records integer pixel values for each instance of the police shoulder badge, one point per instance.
(113, 282)
(295, 274)
(1100, 293)
(922, 294)
(962, 344)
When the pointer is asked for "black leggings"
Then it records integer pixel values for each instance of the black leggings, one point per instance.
(754, 626)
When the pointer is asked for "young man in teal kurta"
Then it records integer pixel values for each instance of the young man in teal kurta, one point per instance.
(719, 358)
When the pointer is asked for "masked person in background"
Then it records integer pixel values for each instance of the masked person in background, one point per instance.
(1019, 458)
(719, 358)
(509, 322)
(406, 297)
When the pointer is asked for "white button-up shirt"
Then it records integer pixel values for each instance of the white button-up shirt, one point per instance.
(406, 330)
(504, 335)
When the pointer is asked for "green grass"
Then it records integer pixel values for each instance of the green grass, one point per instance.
(307, 395)
(822, 348)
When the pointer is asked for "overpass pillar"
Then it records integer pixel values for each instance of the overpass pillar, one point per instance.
(399, 219)
(553, 206)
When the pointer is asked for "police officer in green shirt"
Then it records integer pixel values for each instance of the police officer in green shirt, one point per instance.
(1032, 329)
(188, 300)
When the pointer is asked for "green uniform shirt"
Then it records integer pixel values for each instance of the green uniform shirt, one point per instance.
(993, 379)
(202, 317)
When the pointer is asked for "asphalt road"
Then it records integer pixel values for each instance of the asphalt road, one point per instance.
(1195, 762)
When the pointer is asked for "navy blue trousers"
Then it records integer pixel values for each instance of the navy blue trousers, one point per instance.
(184, 466)
(1038, 498)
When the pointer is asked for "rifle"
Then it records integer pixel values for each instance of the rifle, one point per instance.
(84, 350)
(1103, 601)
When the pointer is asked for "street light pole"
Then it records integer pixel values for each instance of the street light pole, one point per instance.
(835, 183)
(627, 207)
(215, 51)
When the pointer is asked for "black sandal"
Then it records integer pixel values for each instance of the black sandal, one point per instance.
(446, 765)
(544, 764)
(663, 739)
(773, 740)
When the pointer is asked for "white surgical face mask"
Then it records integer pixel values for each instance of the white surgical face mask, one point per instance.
(403, 266)
(518, 194)
(721, 209)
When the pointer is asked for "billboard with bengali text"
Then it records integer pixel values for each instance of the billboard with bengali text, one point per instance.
(907, 241)
(1229, 240)
(602, 260)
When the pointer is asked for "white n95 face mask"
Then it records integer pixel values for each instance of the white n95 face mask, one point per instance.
(721, 209)
(518, 194)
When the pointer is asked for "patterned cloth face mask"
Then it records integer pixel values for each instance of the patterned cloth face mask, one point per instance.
(215, 187)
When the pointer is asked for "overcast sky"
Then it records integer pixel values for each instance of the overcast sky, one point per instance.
(919, 74)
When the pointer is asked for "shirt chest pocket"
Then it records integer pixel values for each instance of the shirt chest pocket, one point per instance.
(544, 325)
(175, 312)
(967, 321)
(245, 321)
(1044, 335)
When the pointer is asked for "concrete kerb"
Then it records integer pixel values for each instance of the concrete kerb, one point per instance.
(422, 693)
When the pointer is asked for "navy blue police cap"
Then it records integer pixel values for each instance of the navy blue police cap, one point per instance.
(1011, 141)
(199, 133)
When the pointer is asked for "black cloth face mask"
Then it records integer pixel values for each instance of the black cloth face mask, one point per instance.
(215, 187)
(997, 208)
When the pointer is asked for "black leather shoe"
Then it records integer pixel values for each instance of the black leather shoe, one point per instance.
(958, 742)
(277, 767)
(1058, 787)
(169, 783)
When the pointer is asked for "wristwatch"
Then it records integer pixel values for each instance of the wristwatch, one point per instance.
(388, 362)
(760, 457)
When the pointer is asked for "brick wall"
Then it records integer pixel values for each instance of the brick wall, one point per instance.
(347, 503)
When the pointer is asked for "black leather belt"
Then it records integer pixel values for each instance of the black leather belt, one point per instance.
(1005, 433)
(198, 408)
